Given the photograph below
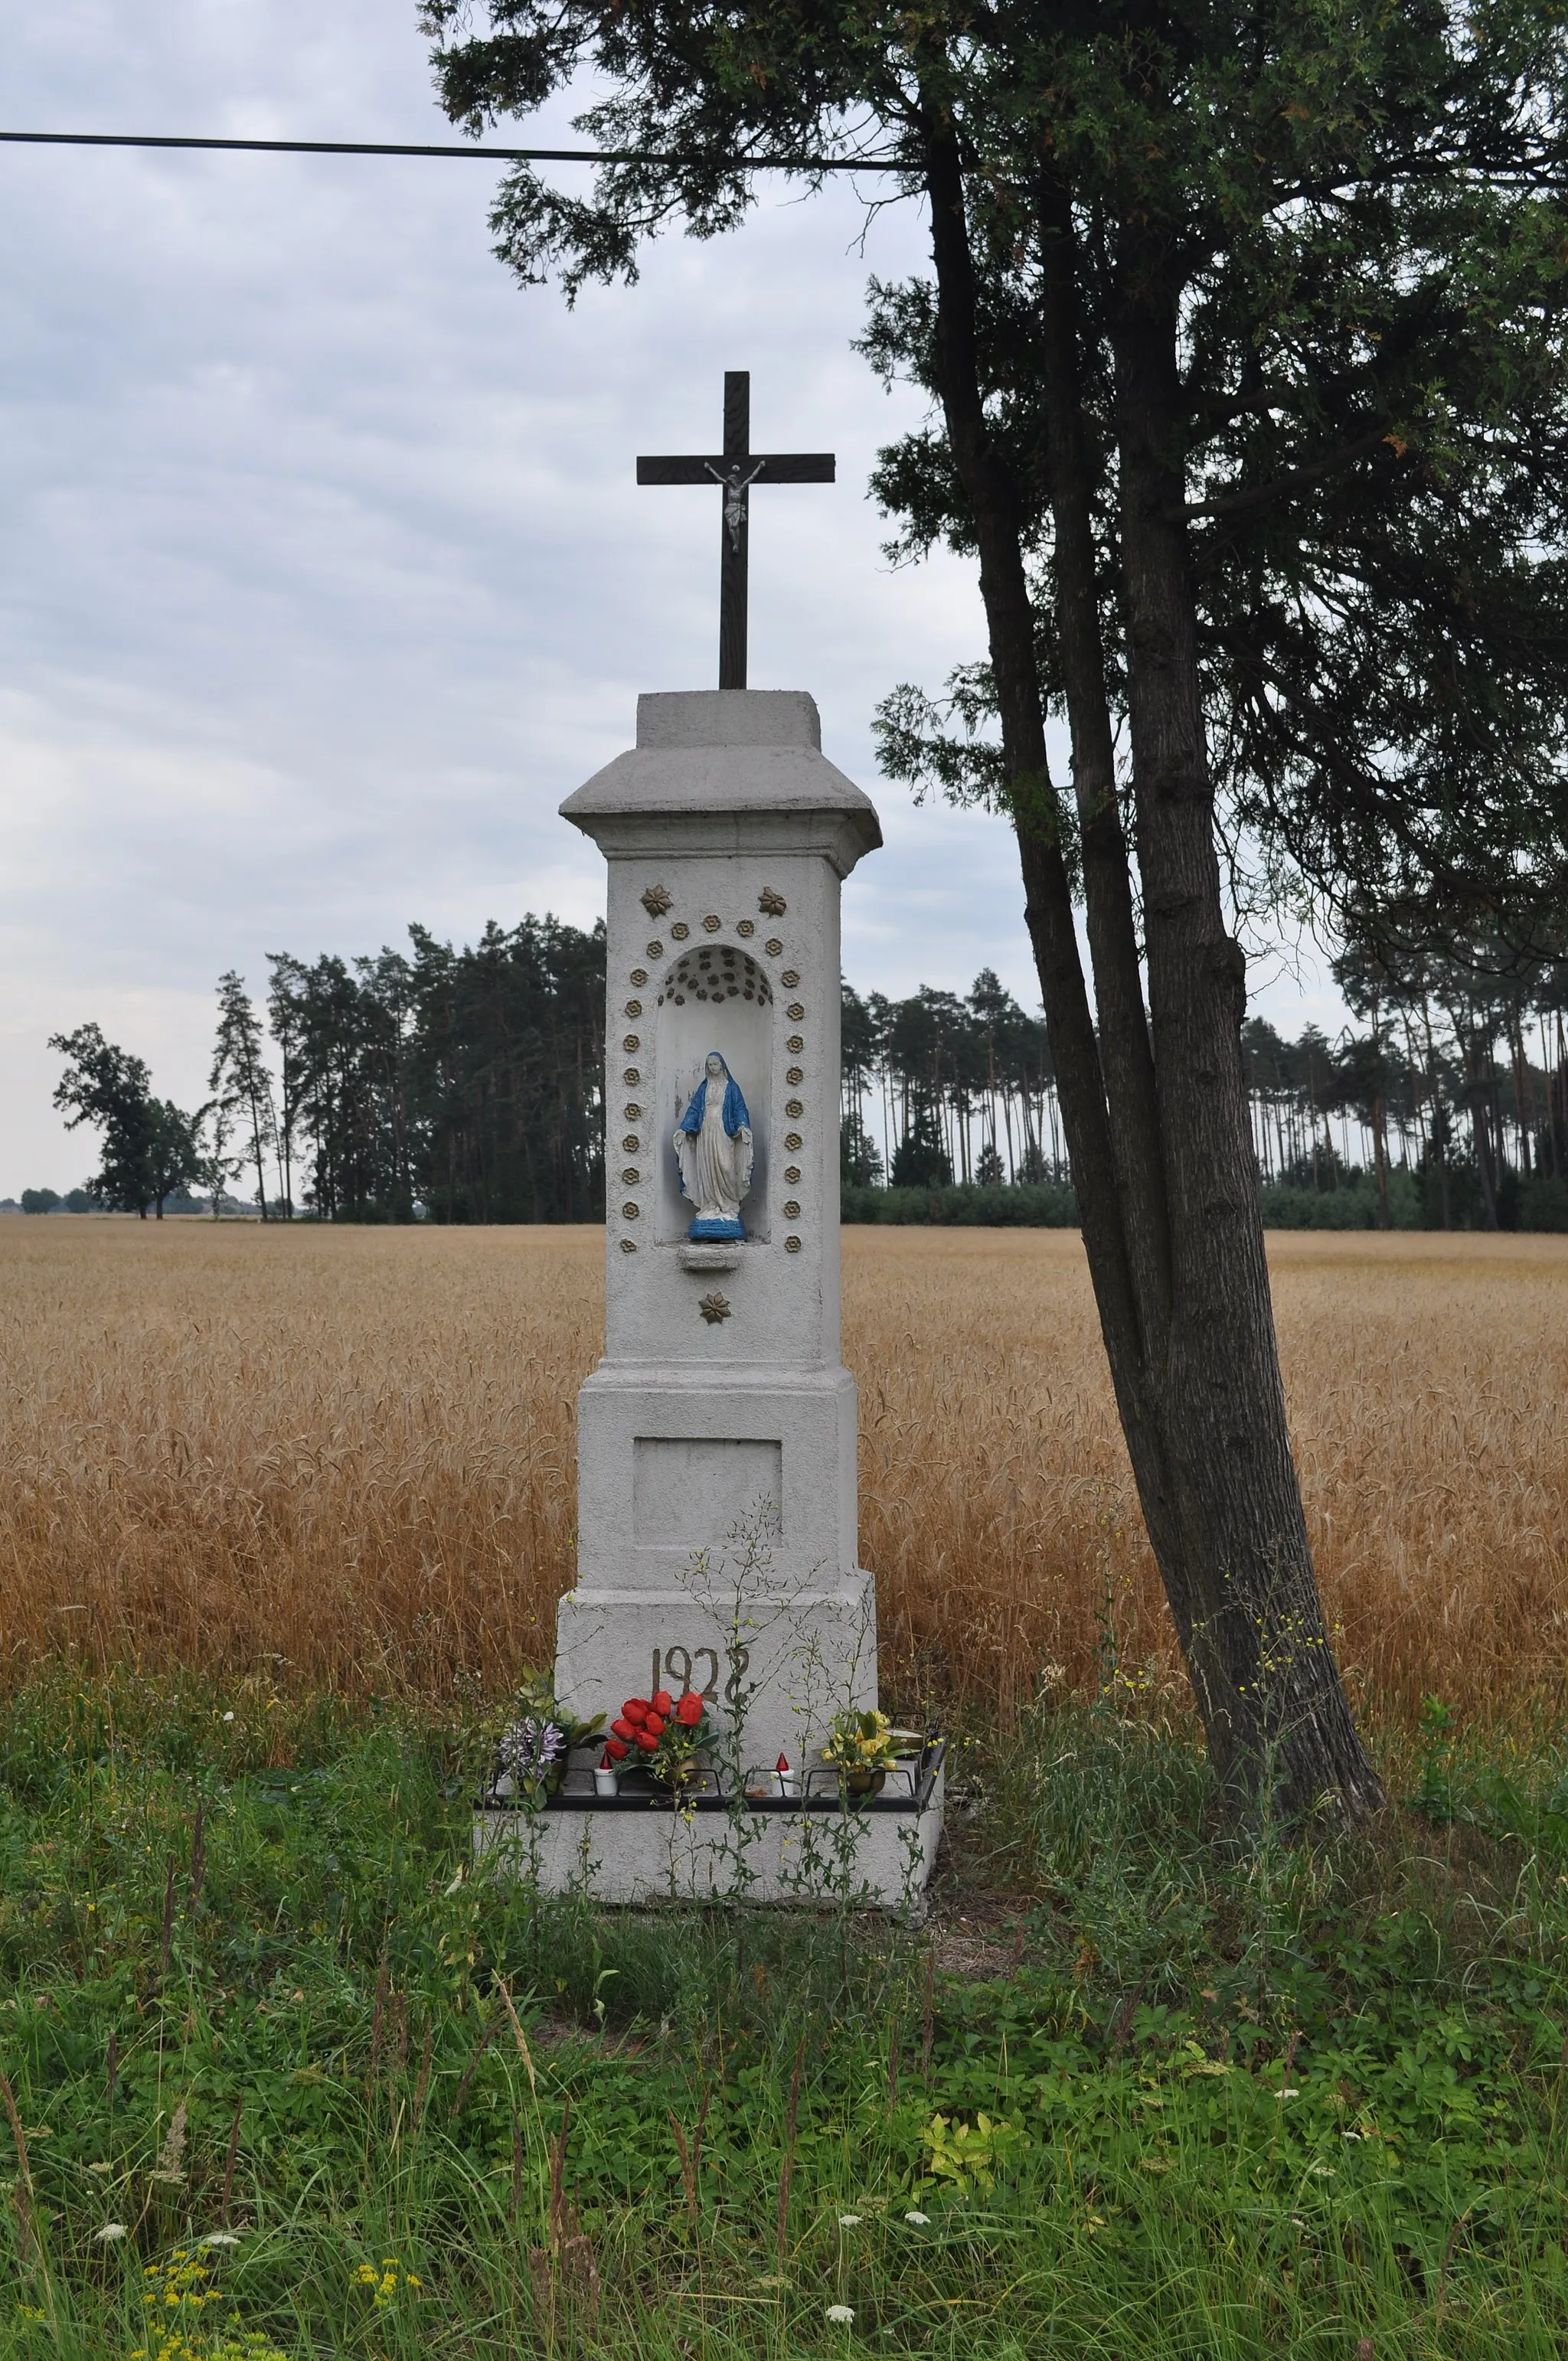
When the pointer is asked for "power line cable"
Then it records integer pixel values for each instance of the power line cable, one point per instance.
(494, 155)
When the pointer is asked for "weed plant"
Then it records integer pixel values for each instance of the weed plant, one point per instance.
(283, 2076)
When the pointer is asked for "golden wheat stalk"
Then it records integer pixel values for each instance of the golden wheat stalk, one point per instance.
(309, 1456)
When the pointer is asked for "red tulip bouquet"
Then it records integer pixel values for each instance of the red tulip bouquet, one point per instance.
(662, 1734)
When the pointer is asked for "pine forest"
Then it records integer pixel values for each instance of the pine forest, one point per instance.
(466, 1085)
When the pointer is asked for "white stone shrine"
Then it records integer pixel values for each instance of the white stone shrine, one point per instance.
(717, 1536)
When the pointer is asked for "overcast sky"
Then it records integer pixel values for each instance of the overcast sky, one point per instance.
(324, 571)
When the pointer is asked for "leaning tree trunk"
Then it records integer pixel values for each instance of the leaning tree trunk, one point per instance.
(1155, 1121)
(1240, 1575)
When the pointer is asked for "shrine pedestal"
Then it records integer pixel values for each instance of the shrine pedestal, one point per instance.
(872, 1853)
(717, 1536)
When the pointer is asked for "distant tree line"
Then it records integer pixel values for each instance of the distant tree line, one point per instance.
(49, 1201)
(938, 1088)
(457, 1085)
(467, 1082)
(468, 1085)
(1450, 1105)
(1446, 1106)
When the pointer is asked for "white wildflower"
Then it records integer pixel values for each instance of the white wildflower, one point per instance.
(918, 2218)
(849, 2221)
(842, 2314)
(110, 2232)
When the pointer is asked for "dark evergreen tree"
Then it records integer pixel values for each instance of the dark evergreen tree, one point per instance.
(285, 1000)
(507, 1067)
(240, 1082)
(920, 1160)
(1245, 341)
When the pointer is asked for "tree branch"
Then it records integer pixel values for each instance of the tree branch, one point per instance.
(1294, 479)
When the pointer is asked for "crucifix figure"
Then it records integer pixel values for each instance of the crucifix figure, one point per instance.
(735, 470)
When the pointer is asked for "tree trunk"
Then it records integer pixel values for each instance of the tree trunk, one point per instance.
(1469, 1038)
(997, 510)
(1132, 1101)
(1157, 1131)
(1380, 1117)
(1483, 1161)
(1238, 1570)
(260, 1163)
(1380, 1157)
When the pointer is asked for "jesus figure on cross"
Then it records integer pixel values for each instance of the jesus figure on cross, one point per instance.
(734, 487)
(735, 470)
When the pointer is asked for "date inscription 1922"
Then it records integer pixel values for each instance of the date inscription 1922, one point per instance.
(677, 1668)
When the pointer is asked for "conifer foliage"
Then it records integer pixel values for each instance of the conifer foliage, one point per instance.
(469, 1083)
(453, 1085)
(1244, 334)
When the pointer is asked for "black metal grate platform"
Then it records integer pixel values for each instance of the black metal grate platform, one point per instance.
(909, 1790)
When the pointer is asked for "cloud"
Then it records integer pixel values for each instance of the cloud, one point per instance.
(327, 574)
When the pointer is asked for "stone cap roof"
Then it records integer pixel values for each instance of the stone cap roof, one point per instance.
(721, 750)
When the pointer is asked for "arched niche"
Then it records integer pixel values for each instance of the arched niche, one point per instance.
(714, 997)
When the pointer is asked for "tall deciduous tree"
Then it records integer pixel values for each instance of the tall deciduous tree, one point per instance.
(150, 1148)
(1245, 339)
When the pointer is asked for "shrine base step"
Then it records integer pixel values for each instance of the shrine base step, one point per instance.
(878, 1855)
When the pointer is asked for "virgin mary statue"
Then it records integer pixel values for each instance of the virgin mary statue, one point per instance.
(713, 1147)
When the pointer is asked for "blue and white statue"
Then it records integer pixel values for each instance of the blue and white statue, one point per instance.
(713, 1148)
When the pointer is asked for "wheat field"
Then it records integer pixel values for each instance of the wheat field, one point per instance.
(345, 1458)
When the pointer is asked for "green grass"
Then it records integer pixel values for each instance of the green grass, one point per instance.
(1240, 2101)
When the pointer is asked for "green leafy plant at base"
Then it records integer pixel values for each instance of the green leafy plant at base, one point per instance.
(967, 2154)
(230, 2343)
(1434, 1787)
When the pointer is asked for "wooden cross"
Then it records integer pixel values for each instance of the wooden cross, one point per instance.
(735, 470)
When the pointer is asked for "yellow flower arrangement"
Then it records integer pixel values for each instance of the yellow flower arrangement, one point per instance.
(862, 1741)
